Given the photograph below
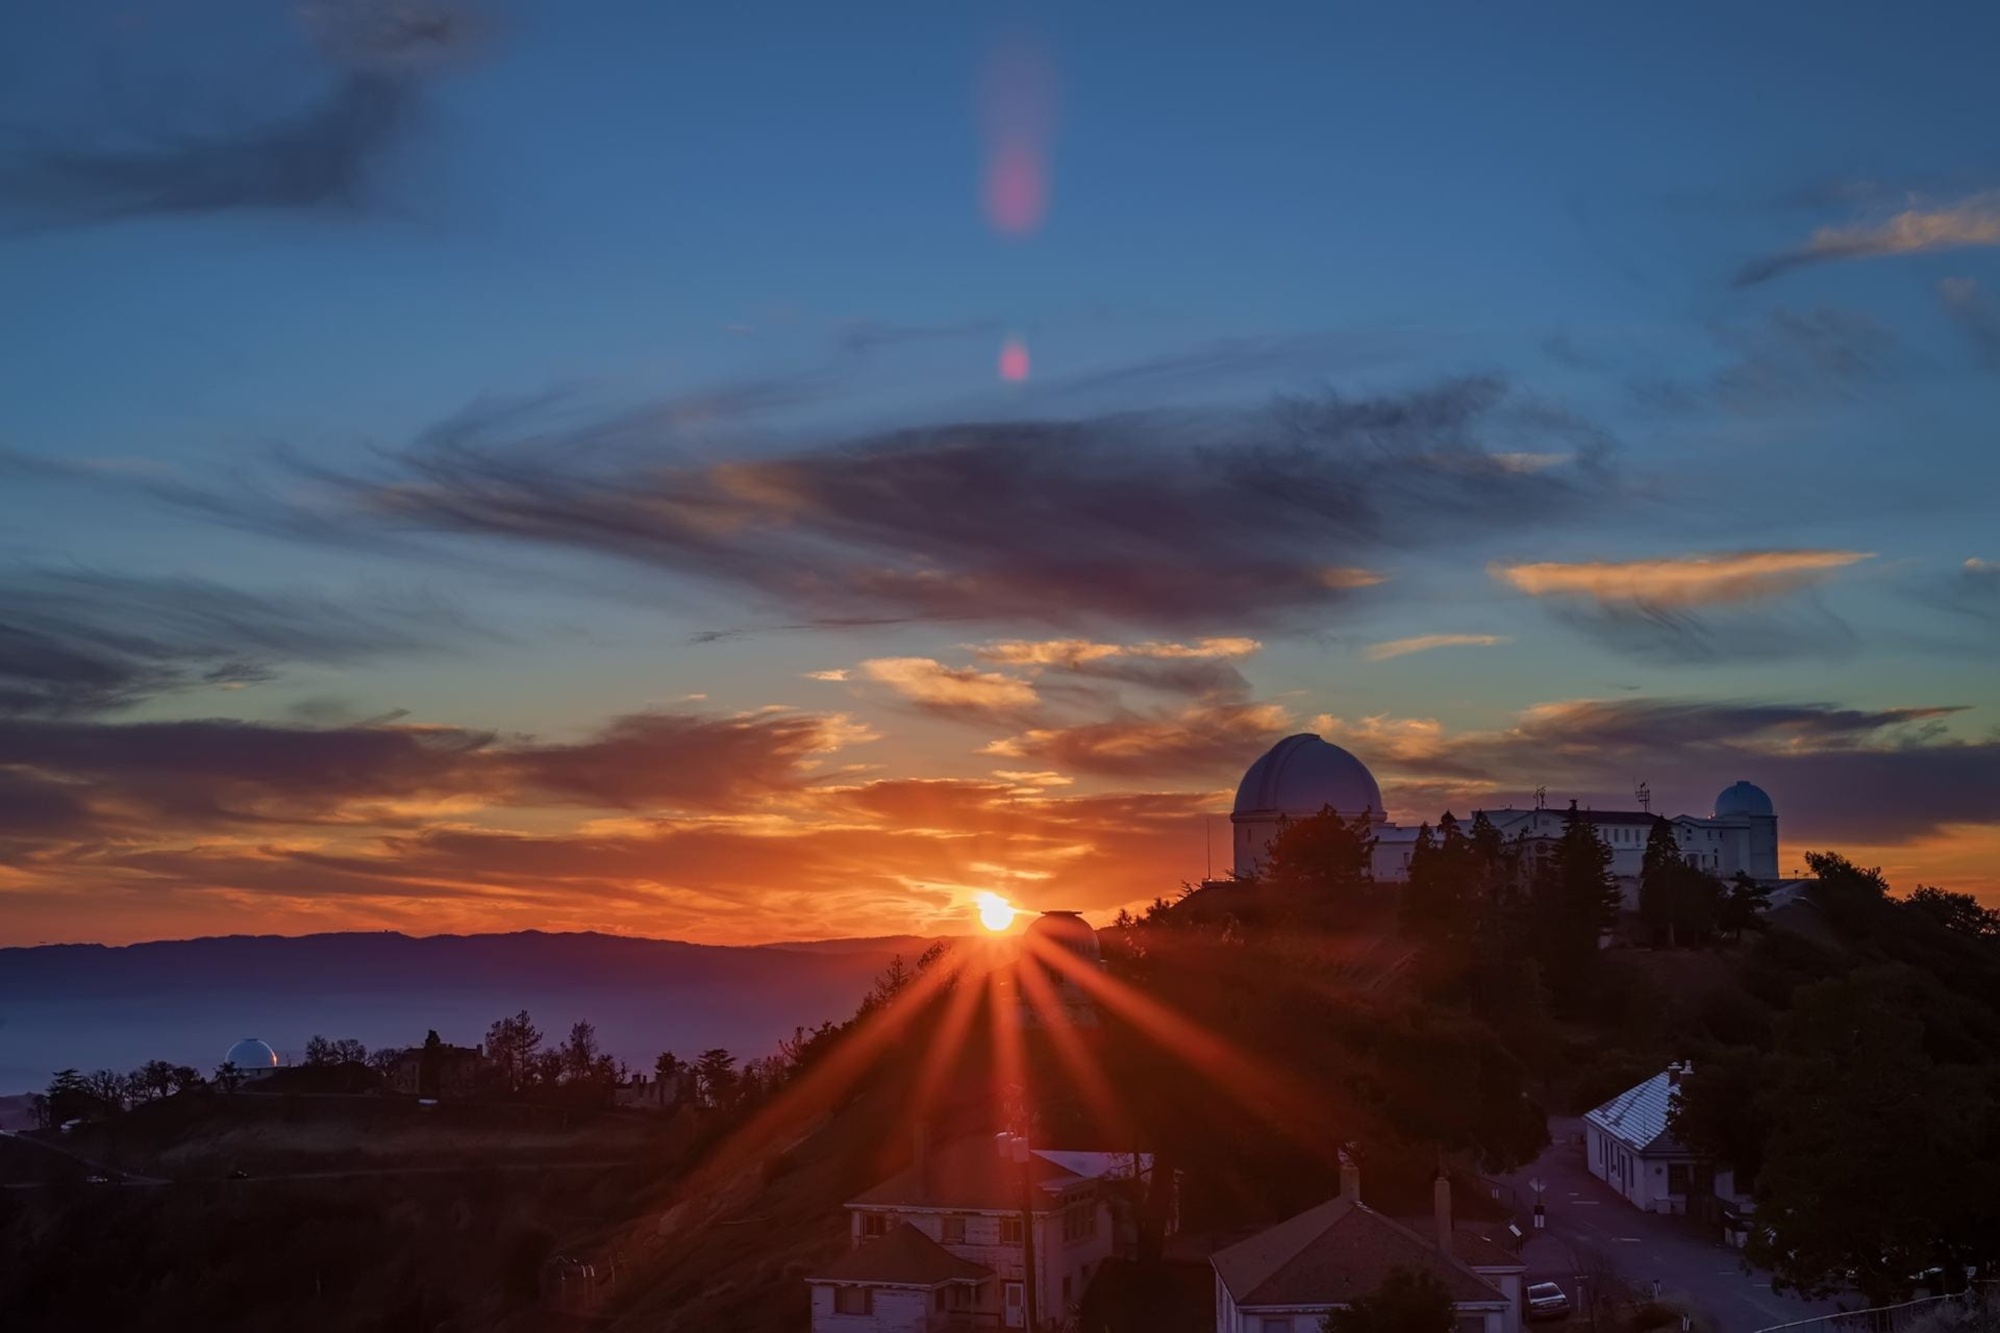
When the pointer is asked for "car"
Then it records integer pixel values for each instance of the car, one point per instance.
(1546, 1301)
(239, 1174)
(97, 1180)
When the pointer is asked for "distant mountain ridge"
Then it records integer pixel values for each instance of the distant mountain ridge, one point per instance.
(115, 1006)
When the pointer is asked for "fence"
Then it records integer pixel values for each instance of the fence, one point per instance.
(1883, 1318)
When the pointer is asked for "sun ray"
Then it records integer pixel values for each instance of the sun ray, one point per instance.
(1078, 1062)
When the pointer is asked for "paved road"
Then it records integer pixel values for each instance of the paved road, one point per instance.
(1586, 1217)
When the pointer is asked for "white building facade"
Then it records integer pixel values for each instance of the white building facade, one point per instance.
(1303, 775)
(1628, 1145)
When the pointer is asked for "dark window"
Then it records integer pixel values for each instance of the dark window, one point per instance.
(1065, 1288)
(874, 1225)
(1677, 1178)
(854, 1300)
(954, 1229)
(1010, 1231)
(940, 1298)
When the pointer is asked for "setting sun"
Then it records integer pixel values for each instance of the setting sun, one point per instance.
(995, 912)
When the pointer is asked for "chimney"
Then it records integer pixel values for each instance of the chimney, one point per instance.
(1350, 1179)
(1674, 1074)
(920, 1135)
(1441, 1205)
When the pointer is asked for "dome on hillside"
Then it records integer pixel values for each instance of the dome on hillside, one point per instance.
(1743, 798)
(1302, 775)
(1069, 930)
(251, 1054)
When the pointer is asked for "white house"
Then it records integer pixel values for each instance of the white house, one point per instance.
(1628, 1146)
(944, 1244)
(1286, 1279)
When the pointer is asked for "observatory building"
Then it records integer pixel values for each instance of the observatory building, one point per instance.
(252, 1058)
(1303, 775)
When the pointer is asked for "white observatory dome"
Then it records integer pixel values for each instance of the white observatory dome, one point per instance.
(251, 1054)
(1069, 931)
(1301, 775)
(1743, 798)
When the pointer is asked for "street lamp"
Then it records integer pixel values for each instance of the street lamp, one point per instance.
(1014, 1148)
(1537, 1184)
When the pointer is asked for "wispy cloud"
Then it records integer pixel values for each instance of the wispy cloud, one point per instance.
(836, 673)
(1687, 580)
(319, 157)
(957, 691)
(1208, 739)
(1423, 643)
(1168, 521)
(1971, 221)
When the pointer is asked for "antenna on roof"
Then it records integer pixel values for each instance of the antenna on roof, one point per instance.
(1541, 798)
(1644, 794)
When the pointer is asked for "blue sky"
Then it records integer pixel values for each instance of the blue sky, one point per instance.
(1729, 276)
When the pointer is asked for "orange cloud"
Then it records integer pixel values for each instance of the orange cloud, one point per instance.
(1972, 221)
(1203, 738)
(932, 684)
(1423, 643)
(1680, 581)
(1070, 652)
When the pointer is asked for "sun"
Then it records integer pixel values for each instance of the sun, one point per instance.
(995, 912)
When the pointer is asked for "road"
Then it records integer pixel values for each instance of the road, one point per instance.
(1587, 1217)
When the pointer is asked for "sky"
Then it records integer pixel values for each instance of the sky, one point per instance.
(775, 471)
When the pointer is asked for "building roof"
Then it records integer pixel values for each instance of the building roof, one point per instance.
(1743, 798)
(904, 1257)
(251, 1053)
(1302, 774)
(1332, 1254)
(969, 1174)
(1475, 1244)
(1638, 1115)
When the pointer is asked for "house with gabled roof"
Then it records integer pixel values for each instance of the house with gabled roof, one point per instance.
(1629, 1146)
(1285, 1279)
(948, 1239)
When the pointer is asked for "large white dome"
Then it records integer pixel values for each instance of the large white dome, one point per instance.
(1743, 798)
(1301, 775)
(251, 1054)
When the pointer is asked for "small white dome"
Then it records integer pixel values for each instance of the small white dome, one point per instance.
(1743, 798)
(1302, 775)
(252, 1054)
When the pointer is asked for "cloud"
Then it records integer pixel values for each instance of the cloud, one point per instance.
(1975, 317)
(1972, 591)
(955, 691)
(1423, 643)
(212, 773)
(1210, 739)
(1697, 608)
(1783, 361)
(1678, 581)
(1972, 221)
(320, 157)
(837, 673)
(1199, 668)
(1256, 518)
(81, 641)
(1838, 775)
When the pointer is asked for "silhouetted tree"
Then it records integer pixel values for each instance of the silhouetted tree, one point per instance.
(1958, 912)
(1410, 1300)
(511, 1043)
(1740, 907)
(319, 1051)
(579, 1053)
(228, 1077)
(1575, 899)
(1323, 852)
(715, 1073)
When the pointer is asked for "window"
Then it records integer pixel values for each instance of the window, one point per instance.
(1080, 1220)
(1066, 1288)
(1010, 1231)
(854, 1300)
(874, 1225)
(1015, 1295)
(954, 1229)
(940, 1298)
(1677, 1178)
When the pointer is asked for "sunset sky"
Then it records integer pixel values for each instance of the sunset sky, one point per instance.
(778, 472)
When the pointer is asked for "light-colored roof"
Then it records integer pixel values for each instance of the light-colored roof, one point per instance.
(1097, 1165)
(967, 1174)
(1638, 1115)
(1302, 774)
(904, 1257)
(1331, 1254)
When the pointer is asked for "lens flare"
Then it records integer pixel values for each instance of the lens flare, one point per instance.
(995, 912)
(1014, 361)
(1018, 112)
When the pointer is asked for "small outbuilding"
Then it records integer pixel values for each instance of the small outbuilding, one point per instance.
(1629, 1146)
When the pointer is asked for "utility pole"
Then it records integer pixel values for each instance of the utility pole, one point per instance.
(1014, 1148)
